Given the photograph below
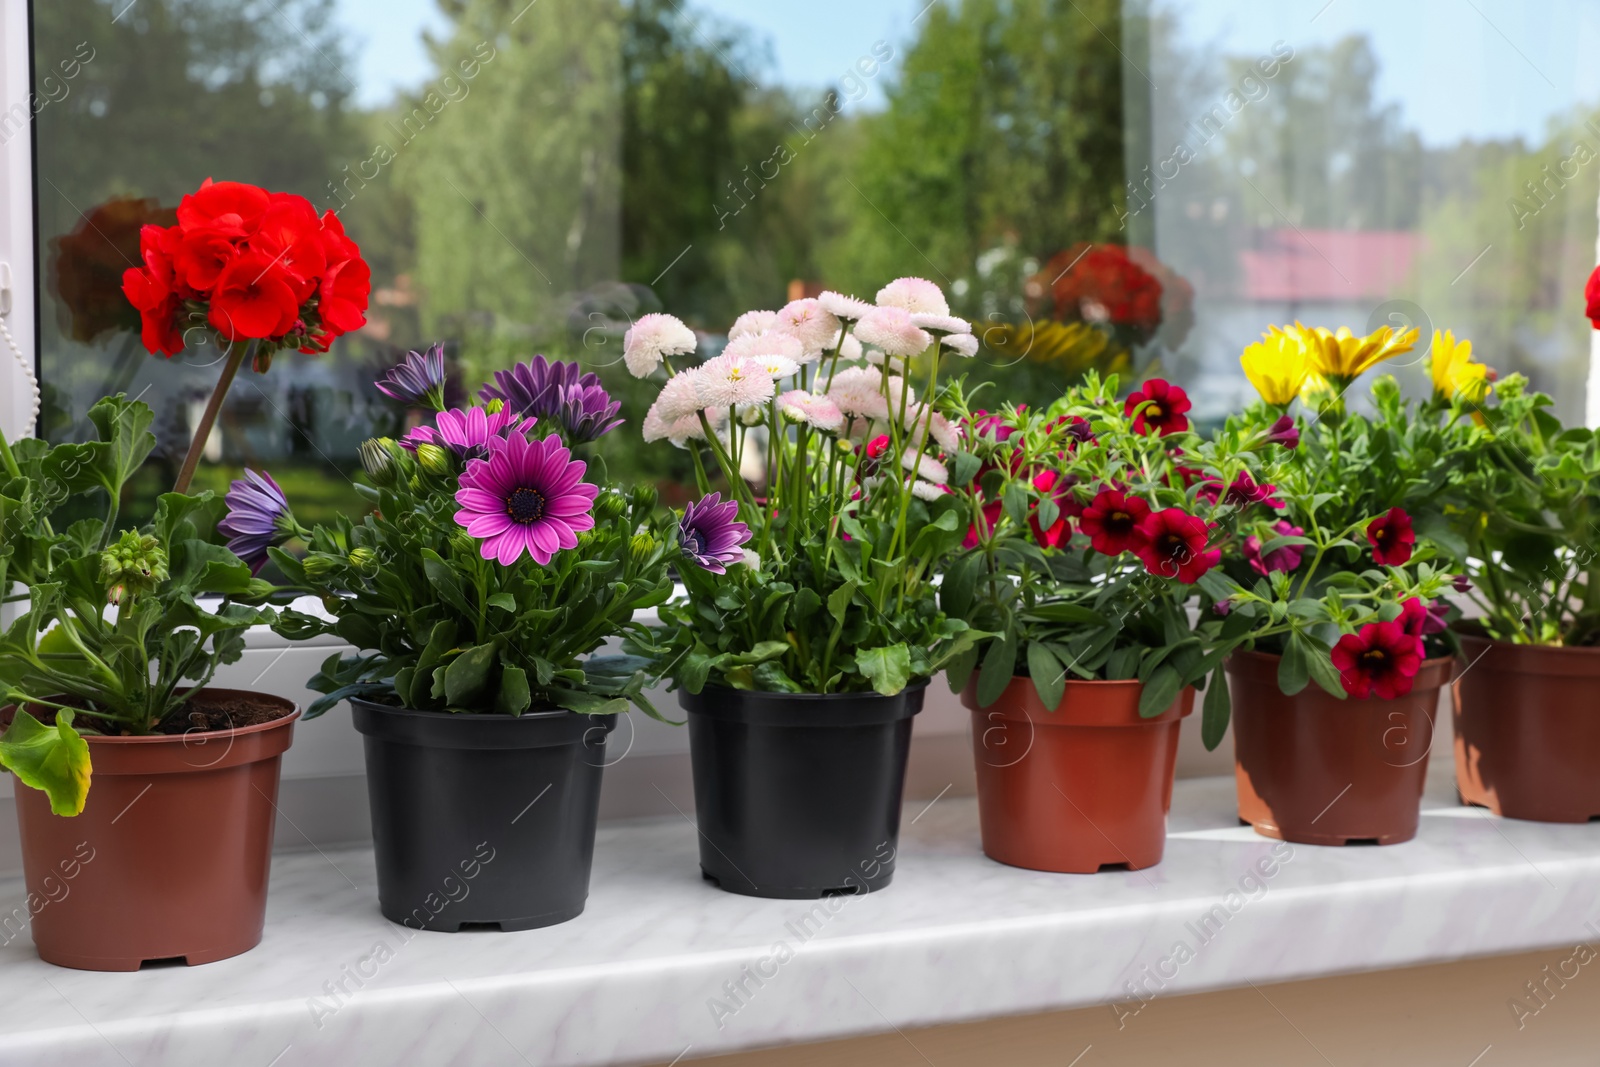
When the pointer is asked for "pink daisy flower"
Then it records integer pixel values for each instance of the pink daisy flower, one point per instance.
(680, 397)
(752, 322)
(528, 496)
(844, 307)
(914, 294)
(940, 325)
(652, 338)
(813, 325)
(816, 411)
(891, 330)
(964, 344)
(733, 381)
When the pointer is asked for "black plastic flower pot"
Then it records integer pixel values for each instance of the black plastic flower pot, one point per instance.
(797, 794)
(482, 820)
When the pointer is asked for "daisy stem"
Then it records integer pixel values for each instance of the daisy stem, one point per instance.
(927, 425)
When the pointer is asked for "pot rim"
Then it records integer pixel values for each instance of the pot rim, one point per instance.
(911, 687)
(1493, 642)
(188, 736)
(473, 716)
(803, 710)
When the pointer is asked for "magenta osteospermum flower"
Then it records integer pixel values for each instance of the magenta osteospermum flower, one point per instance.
(711, 535)
(527, 496)
(468, 431)
(417, 379)
(258, 518)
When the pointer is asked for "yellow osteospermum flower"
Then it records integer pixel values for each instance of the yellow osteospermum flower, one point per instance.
(1277, 365)
(1453, 370)
(1341, 357)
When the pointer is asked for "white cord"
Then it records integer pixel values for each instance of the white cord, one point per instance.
(27, 370)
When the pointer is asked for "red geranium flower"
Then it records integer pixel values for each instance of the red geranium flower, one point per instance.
(231, 208)
(200, 257)
(1111, 522)
(1591, 296)
(253, 298)
(1174, 545)
(1391, 537)
(1056, 488)
(1163, 410)
(1381, 660)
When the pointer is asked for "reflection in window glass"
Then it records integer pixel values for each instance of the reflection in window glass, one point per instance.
(1098, 185)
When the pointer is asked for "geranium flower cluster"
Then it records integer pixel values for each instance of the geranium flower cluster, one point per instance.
(248, 265)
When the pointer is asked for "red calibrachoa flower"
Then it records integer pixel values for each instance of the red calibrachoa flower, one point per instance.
(1057, 488)
(1380, 660)
(1173, 545)
(990, 516)
(1242, 493)
(1285, 558)
(1392, 538)
(260, 266)
(1111, 522)
(1163, 408)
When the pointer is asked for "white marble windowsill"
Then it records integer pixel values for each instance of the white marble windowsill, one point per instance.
(636, 978)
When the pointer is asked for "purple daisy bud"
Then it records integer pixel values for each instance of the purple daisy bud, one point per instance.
(534, 388)
(1222, 607)
(528, 496)
(1461, 583)
(587, 412)
(1284, 432)
(467, 431)
(418, 379)
(258, 518)
(710, 534)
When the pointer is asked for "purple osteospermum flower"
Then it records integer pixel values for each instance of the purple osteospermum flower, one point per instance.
(587, 412)
(1283, 432)
(710, 533)
(534, 388)
(258, 518)
(417, 379)
(467, 431)
(528, 495)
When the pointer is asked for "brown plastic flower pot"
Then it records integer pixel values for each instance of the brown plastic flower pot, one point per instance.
(169, 858)
(1077, 788)
(1527, 721)
(1317, 770)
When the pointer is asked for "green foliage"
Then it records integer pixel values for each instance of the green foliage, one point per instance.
(123, 674)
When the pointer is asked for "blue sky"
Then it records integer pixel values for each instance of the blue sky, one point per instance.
(1458, 68)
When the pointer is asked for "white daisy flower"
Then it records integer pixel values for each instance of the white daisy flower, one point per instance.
(843, 307)
(733, 381)
(940, 324)
(752, 322)
(963, 344)
(927, 490)
(914, 294)
(818, 411)
(857, 391)
(652, 338)
(891, 329)
(680, 397)
(814, 326)
(925, 466)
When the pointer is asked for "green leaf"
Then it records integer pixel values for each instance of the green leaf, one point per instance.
(839, 600)
(587, 703)
(54, 760)
(961, 668)
(1049, 676)
(889, 667)
(503, 601)
(1159, 692)
(1293, 670)
(513, 696)
(124, 427)
(1214, 713)
(960, 581)
(999, 664)
(468, 674)
(1062, 611)
(1323, 671)
(804, 605)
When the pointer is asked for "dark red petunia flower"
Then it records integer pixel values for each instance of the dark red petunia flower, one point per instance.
(1163, 408)
(1381, 660)
(1242, 493)
(1174, 545)
(1286, 558)
(1054, 486)
(991, 515)
(1285, 433)
(1391, 537)
(1419, 619)
(1111, 522)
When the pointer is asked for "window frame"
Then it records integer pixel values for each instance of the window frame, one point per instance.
(18, 219)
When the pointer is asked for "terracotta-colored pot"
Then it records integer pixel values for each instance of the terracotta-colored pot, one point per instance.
(169, 857)
(1077, 788)
(1527, 721)
(1317, 770)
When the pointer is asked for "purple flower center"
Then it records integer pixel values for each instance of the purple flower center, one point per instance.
(693, 543)
(525, 505)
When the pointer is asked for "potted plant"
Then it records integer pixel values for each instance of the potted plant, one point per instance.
(1339, 588)
(1091, 524)
(493, 566)
(1527, 718)
(802, 669)
(168, 852)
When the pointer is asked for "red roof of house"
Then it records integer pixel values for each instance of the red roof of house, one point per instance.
(1332, 265)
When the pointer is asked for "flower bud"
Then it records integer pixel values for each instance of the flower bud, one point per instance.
(642, 548)
(644, 499)
(132, 565)
(319, 568)
(753, 415)
(495, 406)
(377, 461)
(462, 542)
(434, 460)
(364, 560)
(609, 506)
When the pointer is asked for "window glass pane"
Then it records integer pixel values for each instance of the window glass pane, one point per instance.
(1137, 187)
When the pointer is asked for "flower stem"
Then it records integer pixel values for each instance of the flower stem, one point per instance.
(202, 433)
